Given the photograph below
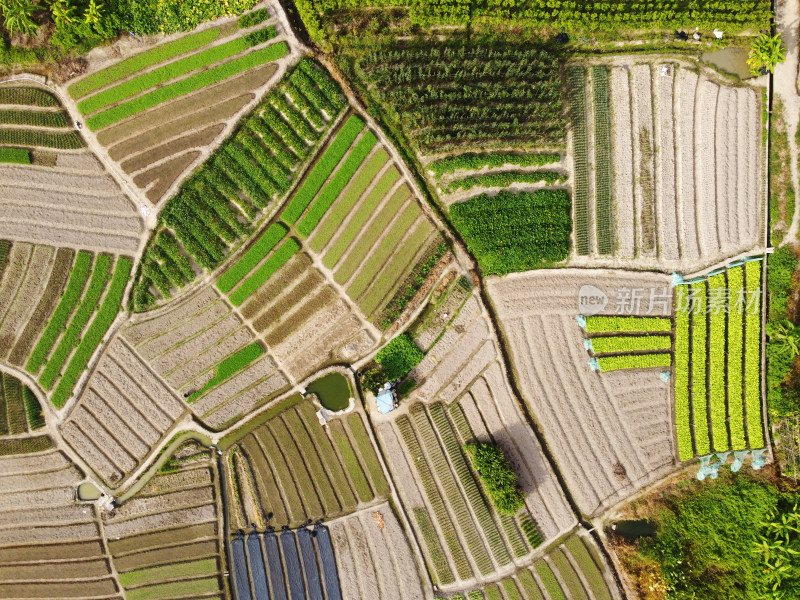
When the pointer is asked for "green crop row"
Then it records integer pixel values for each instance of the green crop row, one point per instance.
(250, 171)
(699, 349)
(186, 86)
(295, 118)
(625, 343)
(752, 358)
(229, 367)
(308, 110)
(604, 217)
(682, 398)
(166, 73)
(94, 335)
(634, 361)
(265, 271)
(31, 96)
(167, 242)
(329, 88)
(591, 570)
(505, 179)
(350, 461)
(576, 92)
(172, 571)
(334, 187)
(141, 61)
(27, 445)
(274, 168)
(80, 318)
(322, 169)
(716, 366)
(550, 582)
(194, 587)
(600, 324)
(306, 86)
(14, 413)
(253, 18)
(19, 156)
(735, 356)
(368, 456)
(470, 161)
(248, 261)
(442, 573)
(36, 118)
(33, 410)
(58, 322)
(67, 140)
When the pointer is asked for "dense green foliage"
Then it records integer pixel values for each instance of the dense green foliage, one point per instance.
(68, 140)
(187, 85)
(19, 156)
(709, 537)
(265, 271)
(576, 92)
(515, 232)
(634, 361)
(470, 161)
(253, 18)
(604, 208)
(229, 367)
(37, 118)
(497, 476)
(458, 95)
(27, 96)
(783, 388)
(398, 357)
(600, 324)
(152, 16)
(625, 343)
(268, 240)
(505, 179)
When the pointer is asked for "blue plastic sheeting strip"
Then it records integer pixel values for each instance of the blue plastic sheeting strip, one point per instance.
(326, 557)
(581, 321)
(240, 569)
(297, 589)
(257, 569)
(310, 567)
(275, 566)
(716, 272)
(677, 279)
(588, 345)
(749, 258)
(664, 376)
(594, 364)
(733, 265)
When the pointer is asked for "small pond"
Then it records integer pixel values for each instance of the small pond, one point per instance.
(333, 391)
(634, 529)
(88, 491)
(732, 60)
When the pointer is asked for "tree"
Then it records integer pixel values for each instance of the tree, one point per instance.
(18, 16)
(766, 52)
(497, 476)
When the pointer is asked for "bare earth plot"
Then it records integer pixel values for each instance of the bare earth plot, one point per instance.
(464, 395)
(50, 546)
(165, 541)
(123, 412)
(374, 557)
(679, 189)
(611, 433)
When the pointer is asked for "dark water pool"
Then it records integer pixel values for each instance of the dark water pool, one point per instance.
(333, 391)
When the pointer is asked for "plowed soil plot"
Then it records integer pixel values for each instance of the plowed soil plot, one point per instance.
(374, 557)
(45, 538)
(611, 433)
(684, 169)
(76, 205)
(130, 403)
(164, 541)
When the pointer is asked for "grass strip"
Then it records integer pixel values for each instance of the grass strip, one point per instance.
(58, 322)
(172, 571)
(141, 61)
(186, 86)
(322, 169)
(699, 346)
(549, 580)
(683, 414)
(252, 257)
(229, 367)
(348, 199)
(511, 590)
(470, 161)
(717, 291)
(623, 343)
(94, 335)
(627, 324)
(335, 186)
(17, 156)
(505, 179)
(634, 361)
(350, 460)
(735, 356)
(530, 586)
(593, 574)
(367, 454)
(165, 73)
(752, 358)
(265, 271)
(194, 587)
(300, 475)
(441, 568)
(568, 575)
(83, 313)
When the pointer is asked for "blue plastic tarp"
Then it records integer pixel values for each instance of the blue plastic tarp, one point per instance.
(385, 401)
(328, 560)
(275, 566)
(297, 589)
(310, 567)
(257, 570)
(242, 586)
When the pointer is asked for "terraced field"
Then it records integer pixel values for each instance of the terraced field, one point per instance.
(679, 188)
(165, 541)
(612, 434)
(50, 547)
(186, 341)
(20, 411)
(465, 396)
(293, 469)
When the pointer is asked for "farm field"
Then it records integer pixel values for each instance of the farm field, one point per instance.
(623, 438)
(20, 411)
(292, 468)
(184, 343)
(462, 394)
(165, 540)
(49, 545)
(34, 125)
(216, 208)
(679, 188)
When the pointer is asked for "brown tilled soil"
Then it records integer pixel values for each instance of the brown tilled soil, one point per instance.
(149, 558)
(165, 113)
(27, 535)
(83, 161)
(149, 325)
(184, 516)
(232, 386)
(157, 346)
(164, 175)
(183, 479)
(304, 309)
(245, 402)
(59, 570)
(197, 139)
(276, 285)
(51, 551)
(59, 589)
(46, 461)
(13, 274)
(403, 477)
(201, 366)
(147, 541)
(169, 501)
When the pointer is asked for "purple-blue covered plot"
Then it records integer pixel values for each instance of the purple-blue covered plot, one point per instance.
(275, 566)
(328, 561)
(310, 568)
(257, 569)
(294, 571)
(242, 586)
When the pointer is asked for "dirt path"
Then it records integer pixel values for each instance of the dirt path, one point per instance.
(787, 17)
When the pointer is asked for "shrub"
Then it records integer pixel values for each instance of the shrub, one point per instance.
(253, 18)
(169, 16)
(497, 476)
(398, 357)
